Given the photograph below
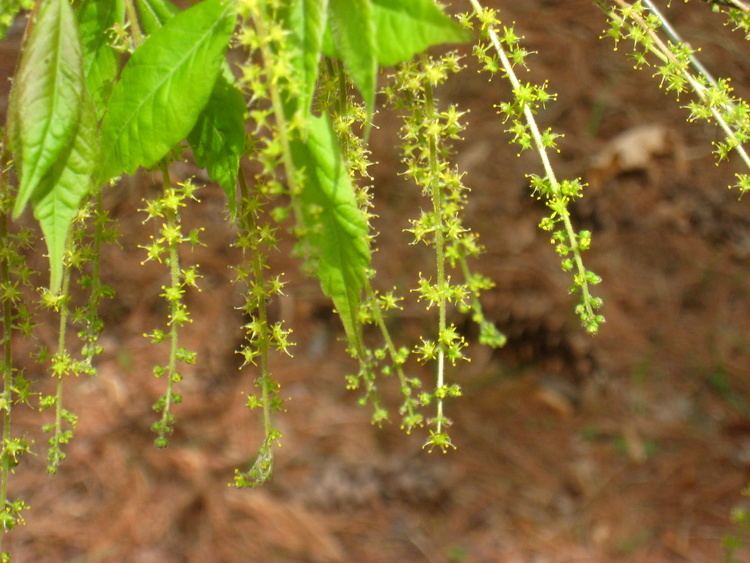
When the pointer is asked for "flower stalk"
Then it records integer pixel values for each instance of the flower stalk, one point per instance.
(502, 55)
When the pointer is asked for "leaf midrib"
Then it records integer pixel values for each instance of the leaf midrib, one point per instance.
(56, 86)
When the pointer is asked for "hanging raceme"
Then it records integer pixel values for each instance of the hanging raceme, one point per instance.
(256, 239)
(259, 206)
(89, 242)
(331, 228)
(501, 53)
(262, 81)
(351, 122)
(164, 248)
(680, 72)
(15, 277)
(63, 363)
(427, 135)
(737, 13)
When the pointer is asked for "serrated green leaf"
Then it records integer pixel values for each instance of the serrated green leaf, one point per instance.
(336, 229)
(218, 139)
(408, 27)
(352, 24)
(155, 13)
(164, 87)
(100, 60)
(46, 96)
(404, 28)
(66, 184)
(306, 20)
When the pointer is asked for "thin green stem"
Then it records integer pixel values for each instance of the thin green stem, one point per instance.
(95, 298)
(343, 100)
(676, 38)
(377, 315)
(174, 278)
(135, 26)
(54, 461)
(476, 305)
(265, 374)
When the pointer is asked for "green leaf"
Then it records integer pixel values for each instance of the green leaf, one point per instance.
(408, 27)
(336, 229)
(218, 139)
(306, 20)
(155, 13)
(66, 184)
(46, 96)
(164, 87)
(405, 28)
(352, 24)
(100, 60)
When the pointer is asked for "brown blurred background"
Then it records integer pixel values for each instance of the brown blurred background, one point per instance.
(630, 446)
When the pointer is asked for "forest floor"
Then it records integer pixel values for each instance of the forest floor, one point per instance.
(630, 446)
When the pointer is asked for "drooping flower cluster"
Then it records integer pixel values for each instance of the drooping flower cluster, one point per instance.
(164, 248)
(15, 276)
(352, 123)
(268, 79)
(255, 239)
(88, 243)
(79, 254)
(680, 72)
(737, 13)
(428, 133)
(500, 53)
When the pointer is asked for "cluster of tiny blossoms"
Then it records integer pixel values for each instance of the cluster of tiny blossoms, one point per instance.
(15, 275)
(501, 53)
(88, 243)
(675, 66)
(351, 121)
(256, 239)
(737, 13)
(267, 78)
(78, 254)
(164, 248)
(428, 133)
(389, 359)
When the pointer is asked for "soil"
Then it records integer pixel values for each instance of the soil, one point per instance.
(630, 446)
